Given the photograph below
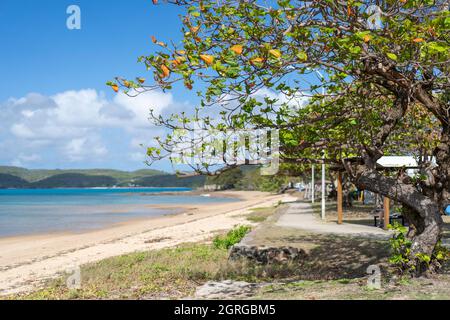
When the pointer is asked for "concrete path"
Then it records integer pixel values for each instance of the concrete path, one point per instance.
(300, 215)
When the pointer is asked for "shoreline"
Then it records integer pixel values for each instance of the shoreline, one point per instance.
(169, 210)
(27, 261)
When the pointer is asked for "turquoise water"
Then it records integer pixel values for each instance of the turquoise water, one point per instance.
(34, 211)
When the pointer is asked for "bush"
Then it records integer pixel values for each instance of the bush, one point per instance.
(401, 256)
(400, 247)
(231, 238)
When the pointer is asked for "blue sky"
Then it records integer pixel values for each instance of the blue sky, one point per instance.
(55, 108)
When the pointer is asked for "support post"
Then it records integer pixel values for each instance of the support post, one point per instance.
(323, 189)
(312, 184)
(339, 198)
(386, 206)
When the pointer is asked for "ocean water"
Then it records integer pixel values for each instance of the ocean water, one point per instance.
(36, 211)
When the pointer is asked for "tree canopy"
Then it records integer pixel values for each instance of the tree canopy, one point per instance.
(350, 81)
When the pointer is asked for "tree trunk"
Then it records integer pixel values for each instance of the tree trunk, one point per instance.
(442, 154)
(422, 212)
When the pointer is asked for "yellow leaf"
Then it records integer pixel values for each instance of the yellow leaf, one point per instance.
(181, 52)
(194, 29)
(257, 60)
(417, 40)
(367, 38)
(188, 85)
(154, 39)
(237, 48)
(178, 61)
(115, 87)
(276, 53)
(126, 83)
(208, 59)
(165, 71)
(141, 80)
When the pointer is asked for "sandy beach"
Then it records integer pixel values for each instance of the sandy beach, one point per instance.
(27, 261)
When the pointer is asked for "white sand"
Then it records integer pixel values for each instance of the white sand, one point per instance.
(25, 262)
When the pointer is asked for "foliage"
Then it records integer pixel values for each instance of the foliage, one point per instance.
(335, 87)
(400, 248)
(253, 180)
(231, 238)
(402, 258)
(228, 179)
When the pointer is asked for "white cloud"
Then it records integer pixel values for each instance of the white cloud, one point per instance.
(24, 159)
(22, 131)
(80, 148)
(80, 125)
(137, 156)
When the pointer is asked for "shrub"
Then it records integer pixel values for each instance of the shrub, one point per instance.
(400, 247)
(231, 238)
(401, 256)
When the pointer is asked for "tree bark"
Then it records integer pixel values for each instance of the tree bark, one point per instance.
(442, 154)
(423, 212)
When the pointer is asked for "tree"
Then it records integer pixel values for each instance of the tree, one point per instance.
(386, 88)
(228, 179)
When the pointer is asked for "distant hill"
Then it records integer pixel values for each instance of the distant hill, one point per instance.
(16, 177)
(171, 181)
(74, 180)
(10, 181)
(33, 175)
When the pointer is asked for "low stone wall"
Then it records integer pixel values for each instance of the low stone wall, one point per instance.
(266, 255)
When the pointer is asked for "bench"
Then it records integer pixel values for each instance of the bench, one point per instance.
(391, 218)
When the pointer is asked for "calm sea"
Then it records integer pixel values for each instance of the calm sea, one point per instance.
(34, 211)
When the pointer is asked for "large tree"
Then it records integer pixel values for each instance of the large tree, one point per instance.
(384, 89)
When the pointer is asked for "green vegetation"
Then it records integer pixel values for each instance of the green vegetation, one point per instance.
(10, 181)
(167, 273)
(231, 238)
(378, 85)
(14, 177)
(33, 175)
(260, 214)
(176, 272)
(74, 180)
(401, 257)
(228, 179)
(170, 180)
(249, 178)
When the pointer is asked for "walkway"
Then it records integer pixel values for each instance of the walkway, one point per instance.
(299, 215)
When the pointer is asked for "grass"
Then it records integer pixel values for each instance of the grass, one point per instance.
(335, 269)
(261, 214)
(167, 273)
(231, 238)
(175, 273)
(160, 274)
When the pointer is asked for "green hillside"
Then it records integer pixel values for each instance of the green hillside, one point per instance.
(11, 181)
(33, 175)
(74, 180)
(171, 181)
(15, 177)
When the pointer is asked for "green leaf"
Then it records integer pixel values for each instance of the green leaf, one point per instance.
(302, 56)
(392, 56)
